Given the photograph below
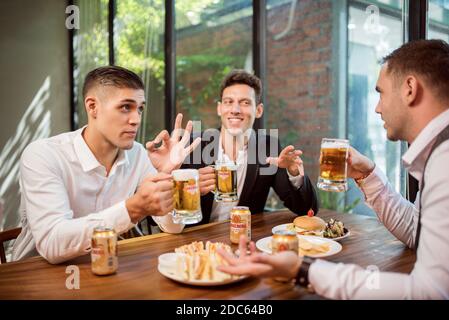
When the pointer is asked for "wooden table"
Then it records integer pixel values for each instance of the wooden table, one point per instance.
(137, 277)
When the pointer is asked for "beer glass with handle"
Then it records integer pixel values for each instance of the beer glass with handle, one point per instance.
(187, 206)
(225, 181)
(333, 165)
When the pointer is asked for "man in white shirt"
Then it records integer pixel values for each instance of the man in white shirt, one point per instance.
(414, 104)
(239, 106)
(97, 175)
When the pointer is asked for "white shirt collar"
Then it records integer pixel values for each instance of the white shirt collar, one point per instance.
(415, 157)
(222, 155)
(87, 158)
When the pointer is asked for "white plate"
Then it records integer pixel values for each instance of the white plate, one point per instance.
(285, 225)
(280, 227)
(264, 245)
(170, 273)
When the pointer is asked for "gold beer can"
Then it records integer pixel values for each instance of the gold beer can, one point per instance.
(104, 251)
(284, 240)
(240, 223)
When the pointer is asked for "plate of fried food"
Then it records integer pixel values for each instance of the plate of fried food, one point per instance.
(311, 225)
(196, 264)
(310, 246)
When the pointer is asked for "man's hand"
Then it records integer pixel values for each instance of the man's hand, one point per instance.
(153, 197)
(173, 150)
(207, 180)
(284, 264)
(289, 158)
(359, 166)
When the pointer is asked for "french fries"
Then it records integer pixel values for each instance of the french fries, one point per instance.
(307, 248)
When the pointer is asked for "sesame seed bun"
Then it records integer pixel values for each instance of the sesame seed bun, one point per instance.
(309, 225)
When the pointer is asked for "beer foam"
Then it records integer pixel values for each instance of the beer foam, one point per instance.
(338, 143)
(185, 174)
(230, 165)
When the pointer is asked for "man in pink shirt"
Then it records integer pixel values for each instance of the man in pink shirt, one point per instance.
(414, 103)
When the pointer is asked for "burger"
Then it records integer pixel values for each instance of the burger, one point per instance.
(309, 225)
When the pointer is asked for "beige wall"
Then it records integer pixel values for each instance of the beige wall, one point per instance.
(34, 86)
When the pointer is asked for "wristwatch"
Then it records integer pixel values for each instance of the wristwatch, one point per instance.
(302, 277)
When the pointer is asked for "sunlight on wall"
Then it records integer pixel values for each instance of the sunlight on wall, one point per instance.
(34, 125)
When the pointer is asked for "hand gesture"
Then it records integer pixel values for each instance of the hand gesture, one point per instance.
(284, 264)
(289, 158)
(173, 150)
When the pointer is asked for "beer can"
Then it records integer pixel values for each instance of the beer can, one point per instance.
(240, 223)
(284, 240)
(104, 251)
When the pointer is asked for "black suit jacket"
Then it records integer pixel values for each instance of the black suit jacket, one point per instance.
(256, 186)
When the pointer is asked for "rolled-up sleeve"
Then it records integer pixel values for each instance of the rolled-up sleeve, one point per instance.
(429, 278)
(399, 215)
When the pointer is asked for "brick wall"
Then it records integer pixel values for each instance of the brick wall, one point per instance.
(299, 74)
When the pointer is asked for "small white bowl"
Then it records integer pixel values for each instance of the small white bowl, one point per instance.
(168, 261)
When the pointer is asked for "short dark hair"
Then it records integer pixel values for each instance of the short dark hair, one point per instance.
(426, 58)
(112, 76)
(240, 76)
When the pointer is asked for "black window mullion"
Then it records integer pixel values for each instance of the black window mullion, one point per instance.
(260, 50)
(417, 19)
(111, 16)
(170, 64)
(73, 111)
(417, 29)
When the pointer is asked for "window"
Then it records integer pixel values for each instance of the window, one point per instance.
(90, 48)
(438, 20)
(139, 46)
(212, 38)
(323, 86)
(373, 31)
(321, 68)
(301, 101)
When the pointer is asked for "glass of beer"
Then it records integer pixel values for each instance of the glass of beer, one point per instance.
(333, 166)
(225, 181)
(186, 196)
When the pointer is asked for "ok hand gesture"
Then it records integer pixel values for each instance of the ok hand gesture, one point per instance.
(173, 150)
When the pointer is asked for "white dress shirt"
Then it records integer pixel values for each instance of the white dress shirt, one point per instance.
(221, 210)
(65, 194)
(429, 278)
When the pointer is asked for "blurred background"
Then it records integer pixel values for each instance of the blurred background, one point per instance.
(318, 61)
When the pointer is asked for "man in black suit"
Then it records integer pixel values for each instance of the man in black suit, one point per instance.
(260, 164)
